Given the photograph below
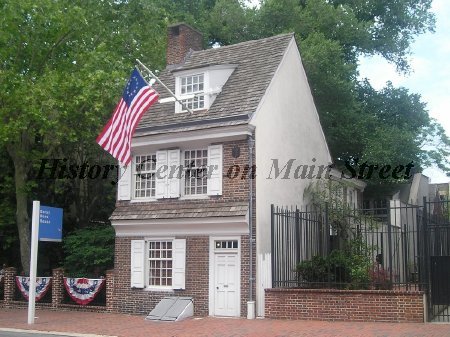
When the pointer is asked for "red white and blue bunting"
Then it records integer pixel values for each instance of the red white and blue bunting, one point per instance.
(83, 290)
(42, 286)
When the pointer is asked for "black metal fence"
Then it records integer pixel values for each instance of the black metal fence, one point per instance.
(329, 247)
(402, 247)
(436, 266)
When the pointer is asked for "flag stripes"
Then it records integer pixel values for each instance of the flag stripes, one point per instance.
(117, 133)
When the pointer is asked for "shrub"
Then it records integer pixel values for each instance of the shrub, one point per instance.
(347, 268)
(380, 278)
(89, 251)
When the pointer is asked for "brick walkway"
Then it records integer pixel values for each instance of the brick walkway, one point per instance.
(136, 326)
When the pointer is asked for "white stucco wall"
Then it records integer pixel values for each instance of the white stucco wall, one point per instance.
(287, 127)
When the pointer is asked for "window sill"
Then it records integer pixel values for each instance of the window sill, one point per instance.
(143, 200)
(194, 197)
(160, 289)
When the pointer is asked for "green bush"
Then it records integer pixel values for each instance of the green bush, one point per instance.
(89, 252)
(348, 268)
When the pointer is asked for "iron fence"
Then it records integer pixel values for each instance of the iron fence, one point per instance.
(401, 246)
(331, 247)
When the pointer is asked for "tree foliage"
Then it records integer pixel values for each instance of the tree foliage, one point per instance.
(63, 65)
(89, 252)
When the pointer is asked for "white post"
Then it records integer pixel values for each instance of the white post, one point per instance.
(33, 261)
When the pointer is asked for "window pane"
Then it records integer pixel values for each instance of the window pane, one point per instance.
(144, 176)
(195, 176)
(160, 263)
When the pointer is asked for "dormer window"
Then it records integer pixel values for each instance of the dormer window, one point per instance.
(198, 88)
(193, 88)
(195, 85)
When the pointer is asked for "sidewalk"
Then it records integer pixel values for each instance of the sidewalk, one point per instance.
(136, 326)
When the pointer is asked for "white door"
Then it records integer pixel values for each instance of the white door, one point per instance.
(226, 283)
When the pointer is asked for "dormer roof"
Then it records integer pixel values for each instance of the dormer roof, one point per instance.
(255, 64)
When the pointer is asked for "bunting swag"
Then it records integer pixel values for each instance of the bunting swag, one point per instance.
(42, 286)
(83, 290)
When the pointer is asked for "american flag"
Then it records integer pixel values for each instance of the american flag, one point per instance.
(137, 97)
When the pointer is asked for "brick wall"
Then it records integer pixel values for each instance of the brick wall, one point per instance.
(139, 301)
(180, 39)
(345, 305)
(233, 188)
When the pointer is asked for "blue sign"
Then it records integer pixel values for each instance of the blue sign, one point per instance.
(50, 224)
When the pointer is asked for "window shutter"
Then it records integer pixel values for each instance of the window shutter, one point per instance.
(124, 183)
(215, 170)
(174, 174)
(179, 264)
(161, 175)
(137, 263)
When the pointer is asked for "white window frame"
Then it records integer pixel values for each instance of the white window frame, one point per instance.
(147, 263)
(134, 175)
(184, 176)
(204, 92)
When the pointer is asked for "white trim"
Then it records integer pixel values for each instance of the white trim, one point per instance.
(159, 289)
(194, 197)
(206, 96)
(212, 253)
(196, 226)
(152, 288)
(183, 182)
(215, 179)
(133, 179)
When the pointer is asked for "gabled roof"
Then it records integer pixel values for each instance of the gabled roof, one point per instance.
(256, 63)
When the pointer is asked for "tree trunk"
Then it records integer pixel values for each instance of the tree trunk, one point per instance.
(21, 167)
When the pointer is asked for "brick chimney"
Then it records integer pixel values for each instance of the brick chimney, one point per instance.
(181, 38)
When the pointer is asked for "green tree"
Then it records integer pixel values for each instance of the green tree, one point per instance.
(62, 67)
(89, 251)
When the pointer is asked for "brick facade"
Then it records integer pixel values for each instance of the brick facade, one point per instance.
(345, 305)
(235, 188)
(142, 301)
(180, 39)
(57, 287)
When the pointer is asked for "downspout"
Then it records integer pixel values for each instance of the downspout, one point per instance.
(251, 302)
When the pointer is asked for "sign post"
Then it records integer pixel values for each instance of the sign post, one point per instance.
(33, 261)
(46, 225)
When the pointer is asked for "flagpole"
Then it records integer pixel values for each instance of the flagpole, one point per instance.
(165, 87)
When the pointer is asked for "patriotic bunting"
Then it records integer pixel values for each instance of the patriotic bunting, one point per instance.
(83, 290)
(42, 286)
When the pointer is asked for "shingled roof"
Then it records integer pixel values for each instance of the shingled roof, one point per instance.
(256, 63)
(153, 211)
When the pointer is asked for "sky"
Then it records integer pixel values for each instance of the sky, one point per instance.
(430, 76)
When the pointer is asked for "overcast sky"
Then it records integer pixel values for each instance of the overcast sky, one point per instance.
(430, 62)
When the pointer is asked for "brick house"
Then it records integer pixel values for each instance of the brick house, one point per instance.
(208, 235)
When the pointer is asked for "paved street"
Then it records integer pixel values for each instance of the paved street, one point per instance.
(136, 326)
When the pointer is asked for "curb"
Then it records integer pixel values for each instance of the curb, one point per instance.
(71, 334)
